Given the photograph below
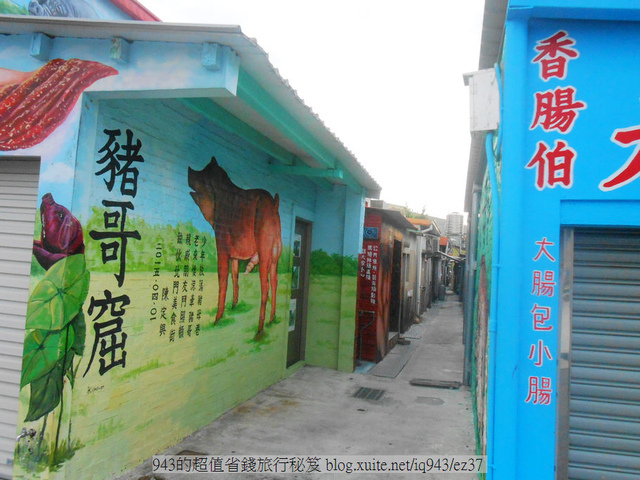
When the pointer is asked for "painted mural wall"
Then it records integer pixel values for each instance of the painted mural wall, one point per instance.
(333, 282)
(142, 307)
(480, 358)
(93, 9)
(162, 269)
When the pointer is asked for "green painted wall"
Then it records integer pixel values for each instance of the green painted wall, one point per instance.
(179, 374)
(482, 300)
(333, 288)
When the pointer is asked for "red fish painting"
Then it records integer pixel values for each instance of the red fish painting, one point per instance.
(61, 234)
(247, 227)
(34, 104)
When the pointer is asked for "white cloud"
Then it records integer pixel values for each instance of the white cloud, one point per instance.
(57, 173)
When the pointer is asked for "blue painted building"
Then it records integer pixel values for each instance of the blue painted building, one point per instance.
(553, 307)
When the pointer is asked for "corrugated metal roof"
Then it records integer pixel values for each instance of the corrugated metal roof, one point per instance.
(394, 217)
(254, 60)
(420, 221)
(492, 32)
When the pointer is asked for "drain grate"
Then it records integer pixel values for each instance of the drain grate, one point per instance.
(369, 393)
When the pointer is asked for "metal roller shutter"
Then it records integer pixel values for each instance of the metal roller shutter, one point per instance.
(604, 387)
(18, 201)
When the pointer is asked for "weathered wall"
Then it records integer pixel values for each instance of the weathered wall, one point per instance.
(479, 356)
(155, 368)
(377, 299)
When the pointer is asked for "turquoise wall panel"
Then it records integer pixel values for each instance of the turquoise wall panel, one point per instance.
(570, 125)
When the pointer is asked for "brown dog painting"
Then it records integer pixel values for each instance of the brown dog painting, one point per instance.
(247, 227)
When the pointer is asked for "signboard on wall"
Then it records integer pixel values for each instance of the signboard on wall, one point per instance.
(584, 142)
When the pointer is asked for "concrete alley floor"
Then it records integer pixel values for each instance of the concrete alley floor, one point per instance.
(314, 412)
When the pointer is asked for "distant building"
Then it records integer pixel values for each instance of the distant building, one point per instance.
(400, 273)
(381, 289)
(455, 224)
(440, 224)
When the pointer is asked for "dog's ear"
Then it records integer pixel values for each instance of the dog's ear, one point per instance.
(214, 162)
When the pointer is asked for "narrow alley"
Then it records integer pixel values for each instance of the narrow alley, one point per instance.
(314, 412)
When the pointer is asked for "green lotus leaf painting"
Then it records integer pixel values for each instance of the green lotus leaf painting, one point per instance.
(79, 330)
(42, 351)
(56, 300)
(45, 394)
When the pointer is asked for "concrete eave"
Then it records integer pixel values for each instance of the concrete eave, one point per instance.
(253, 60)
(495, 12)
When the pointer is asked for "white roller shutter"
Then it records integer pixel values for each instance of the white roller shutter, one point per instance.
(18, 203)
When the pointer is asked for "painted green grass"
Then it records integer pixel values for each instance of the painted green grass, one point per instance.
(241, 307)
(264, 338)
(138, 258)
(144, 425)
(327, 321)
(168, 390)
(108, 428)
(327, 344)
(151, 365)
(229, 315)
(218, 360)
(225, 321)
(35, 457)
(81, 409)
(323, 327)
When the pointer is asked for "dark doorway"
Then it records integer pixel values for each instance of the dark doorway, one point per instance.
(396, 281)
(299, 292)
